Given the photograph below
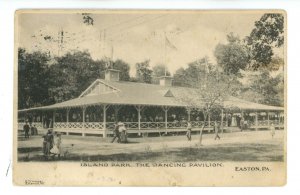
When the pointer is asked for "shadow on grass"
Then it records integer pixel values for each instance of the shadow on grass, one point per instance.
(225, 152)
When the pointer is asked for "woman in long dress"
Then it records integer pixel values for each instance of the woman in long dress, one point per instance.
(56, 150)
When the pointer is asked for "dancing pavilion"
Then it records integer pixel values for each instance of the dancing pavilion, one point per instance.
(144, 108)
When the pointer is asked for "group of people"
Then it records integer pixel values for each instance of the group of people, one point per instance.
(52, 144)
(189, 130)
(120, 133)
(29, 128)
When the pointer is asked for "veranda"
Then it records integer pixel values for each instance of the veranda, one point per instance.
(140, 119)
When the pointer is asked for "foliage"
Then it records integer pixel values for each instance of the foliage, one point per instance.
(33, 75)
(160, 70)
(143, 72)
(268, 33)
(124, 68)
(265, 89)
(195, 73)
(207, 98)
(41, 83)
(233, 56)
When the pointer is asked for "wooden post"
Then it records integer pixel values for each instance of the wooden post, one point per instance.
(139, 109)
(104, 121)
(68, 113)
(268, 119)
(208, 122)
(189, 113)
(222, 129)
(256, 121)
(83, 120)
(165, 108)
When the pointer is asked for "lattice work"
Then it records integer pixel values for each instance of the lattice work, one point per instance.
(75, 125)
(93, 125)
(131, 125)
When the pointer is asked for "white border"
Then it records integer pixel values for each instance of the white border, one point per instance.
(7, 10)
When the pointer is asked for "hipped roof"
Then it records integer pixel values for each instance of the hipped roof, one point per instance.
(132, 93)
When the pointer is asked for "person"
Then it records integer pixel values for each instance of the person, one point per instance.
(56, 150)
(32, 130)
(26, 129)
(272, 128)
(122, 129)
(242, 123)
(217, 129)
(35, 130)
(48, 142)
(189, 131)
(116, 134)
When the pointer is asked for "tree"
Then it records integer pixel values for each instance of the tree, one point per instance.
(72, 74)
(233, 56)
(143, 72)
(124, 69)
(32, 79)
(265, 89)
(267, 34)
(207, 99)
(160, 70)
(195, 73)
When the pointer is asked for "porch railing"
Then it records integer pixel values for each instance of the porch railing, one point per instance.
(143, 125)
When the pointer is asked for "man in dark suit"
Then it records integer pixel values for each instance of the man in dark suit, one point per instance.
(26, 130)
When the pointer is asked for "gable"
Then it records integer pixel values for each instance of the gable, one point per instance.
(98, 88)
(169, 94)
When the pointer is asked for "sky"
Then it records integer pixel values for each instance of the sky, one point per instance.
(171, 38)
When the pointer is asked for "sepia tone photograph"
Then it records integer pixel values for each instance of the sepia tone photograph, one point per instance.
(150, 98)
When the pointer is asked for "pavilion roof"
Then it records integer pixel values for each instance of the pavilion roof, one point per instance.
(133, 93)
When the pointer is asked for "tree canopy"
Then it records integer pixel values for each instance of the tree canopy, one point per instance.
(233, 56)
(267, 34)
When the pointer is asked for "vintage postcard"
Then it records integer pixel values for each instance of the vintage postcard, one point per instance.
(150, 98)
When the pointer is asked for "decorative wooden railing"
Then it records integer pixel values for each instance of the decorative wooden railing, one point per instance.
(38, 125)
(143, 125)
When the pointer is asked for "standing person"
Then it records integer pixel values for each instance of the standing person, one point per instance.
(48, 142)
(116, 134)
(217, 129)
(189, 131)
(56, 150)
(31, 130)
(272, 128)
(26, 130)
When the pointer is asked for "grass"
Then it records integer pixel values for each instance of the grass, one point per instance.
(238, 147)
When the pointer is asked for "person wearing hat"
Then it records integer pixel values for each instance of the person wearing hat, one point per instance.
(116, 133)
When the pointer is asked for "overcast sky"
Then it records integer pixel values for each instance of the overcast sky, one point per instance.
(136, 36)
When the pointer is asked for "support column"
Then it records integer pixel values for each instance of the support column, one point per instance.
(256, 121)
(68, 113)
(209, 122)
(165, 108)
(105, 107)
(139, 109)
(268, 118)
(83, 121)
(222, 128)
(189, 113)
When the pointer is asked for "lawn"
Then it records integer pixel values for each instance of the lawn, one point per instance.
(238, 146)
